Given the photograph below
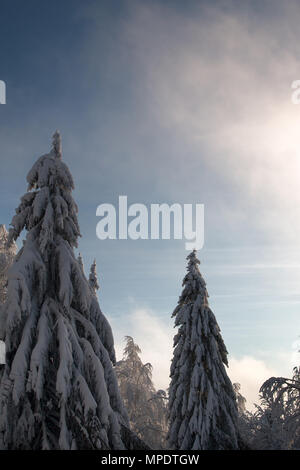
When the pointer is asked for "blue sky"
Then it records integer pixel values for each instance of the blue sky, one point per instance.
(168, 101)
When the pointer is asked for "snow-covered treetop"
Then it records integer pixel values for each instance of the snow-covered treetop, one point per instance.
(137, 372)
(193, 260)
(48, 208)
(57, 148)
(80, 261)
(193, 282)
(131, 356)
(131, 350)
(93, 278)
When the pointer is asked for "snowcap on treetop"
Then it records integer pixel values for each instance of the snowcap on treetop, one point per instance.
(48, 206)
(192, 257)
(80, 261)
(93, 278)
(50, 170)
(193, 279)
(193, 264)
(56, 142)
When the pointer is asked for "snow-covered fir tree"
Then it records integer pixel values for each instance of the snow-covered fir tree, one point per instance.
(58, 389)
(202, 405)
(7, 254)
(93, 278)
(99, 320)
(80, 261)
(146, 407)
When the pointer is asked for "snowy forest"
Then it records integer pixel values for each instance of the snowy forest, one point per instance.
(62, 386)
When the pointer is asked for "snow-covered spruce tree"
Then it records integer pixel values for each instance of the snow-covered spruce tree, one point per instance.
(80, 262)
(93, 278)
(146, 407)
(7, 254)
(59, 389)
(202, 405)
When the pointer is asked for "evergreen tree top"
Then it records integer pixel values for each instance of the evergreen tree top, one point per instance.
(193, 268)
(93, 278)
(132, 356)
(193, 283)
(49, 170)
(131, 349)
(57, 147)
(80, 261)
(47, 210)
(193, 260)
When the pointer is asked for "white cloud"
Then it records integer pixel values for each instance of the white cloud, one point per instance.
(155, 338)
(251, 373)
(295, 356)
(153, 335)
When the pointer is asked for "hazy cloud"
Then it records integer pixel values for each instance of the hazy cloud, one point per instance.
(251, 373)
(153, 335)
(221, 82)
(155, 338)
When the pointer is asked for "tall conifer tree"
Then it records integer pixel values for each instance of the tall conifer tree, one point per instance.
(58, 389)
(202, 405)
(93, 278)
